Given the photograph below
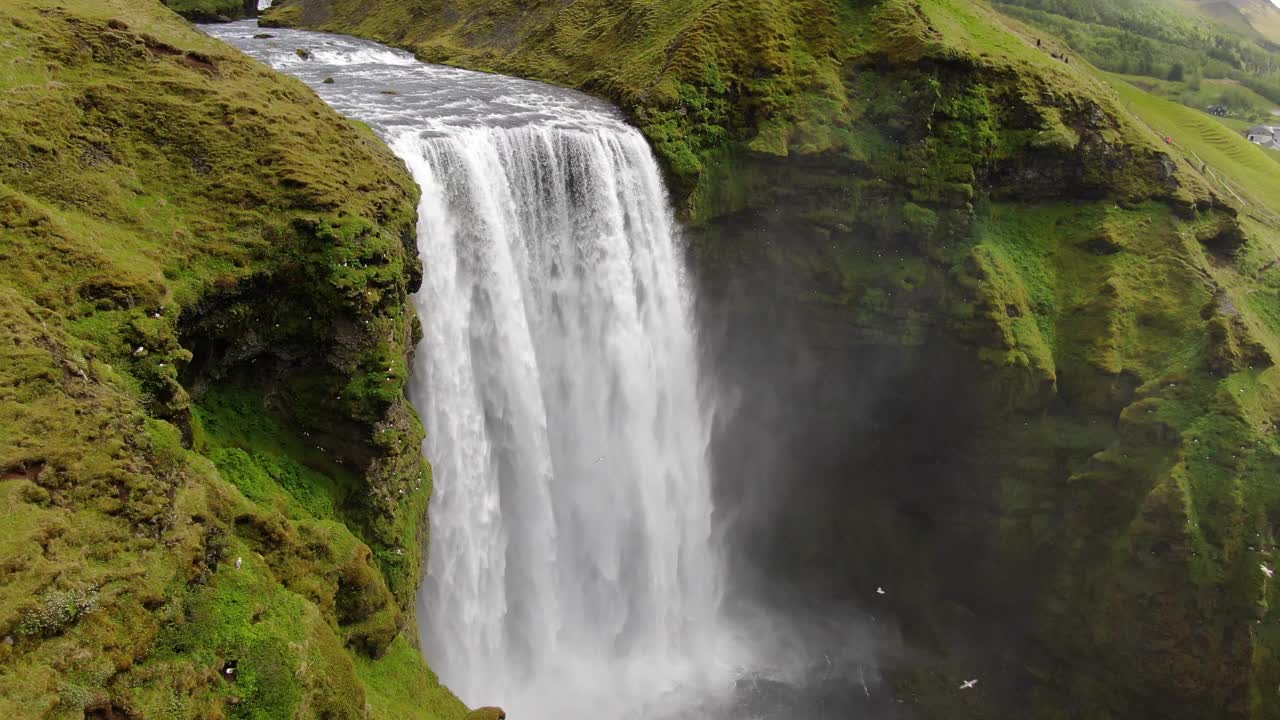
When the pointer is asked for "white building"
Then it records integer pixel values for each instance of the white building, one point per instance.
(1268, 136)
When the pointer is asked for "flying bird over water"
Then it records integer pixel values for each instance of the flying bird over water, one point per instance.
(969, 684)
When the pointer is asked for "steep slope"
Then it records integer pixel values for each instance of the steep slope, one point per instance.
(1260, 16)
(211, 481)
(1242, 169)
(993, 345)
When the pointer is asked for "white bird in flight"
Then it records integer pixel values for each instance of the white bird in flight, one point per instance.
(1267, 571)
(968, 684)
(239, 562)
(593, 462)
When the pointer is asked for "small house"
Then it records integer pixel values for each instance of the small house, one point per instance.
(1267, 136)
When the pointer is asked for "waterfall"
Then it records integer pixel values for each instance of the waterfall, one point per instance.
(572, 568)
(571, 547)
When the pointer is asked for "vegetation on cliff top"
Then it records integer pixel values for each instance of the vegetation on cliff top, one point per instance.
(210, 481)
(927, 168)
(780, 78)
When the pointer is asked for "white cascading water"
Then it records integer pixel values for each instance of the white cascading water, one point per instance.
(571, 547)
(572, 569)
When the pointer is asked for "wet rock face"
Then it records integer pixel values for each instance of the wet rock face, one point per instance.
(844, 469)
(850, 451)
(904, 409)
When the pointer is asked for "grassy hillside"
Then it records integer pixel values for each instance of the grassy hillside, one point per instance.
(1164, 39)
(1244, 108)
(1245, 169)
(197, 253)
(1251, 16)
(919, 189)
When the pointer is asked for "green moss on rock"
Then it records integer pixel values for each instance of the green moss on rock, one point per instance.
(191, 246)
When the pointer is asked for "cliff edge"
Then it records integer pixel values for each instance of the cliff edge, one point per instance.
(212, 487)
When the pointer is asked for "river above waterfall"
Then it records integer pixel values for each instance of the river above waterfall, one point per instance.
(574, 567)
(394, 93)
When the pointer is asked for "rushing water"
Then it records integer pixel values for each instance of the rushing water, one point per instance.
(572, 568)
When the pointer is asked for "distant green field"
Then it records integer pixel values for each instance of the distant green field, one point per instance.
(1163, 39)
(1226, 151)
(1235, 123)
(1247, 107)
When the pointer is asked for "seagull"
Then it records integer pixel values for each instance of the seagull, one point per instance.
(879, 591)
(1267, 571)
(239, 562)
(969, 684)
(593, 462)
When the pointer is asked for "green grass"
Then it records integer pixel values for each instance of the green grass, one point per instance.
(257, 455)
(1247, 167)
(398, 687)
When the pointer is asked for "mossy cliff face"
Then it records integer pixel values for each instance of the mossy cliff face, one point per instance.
(988, 342)
(211, 492)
